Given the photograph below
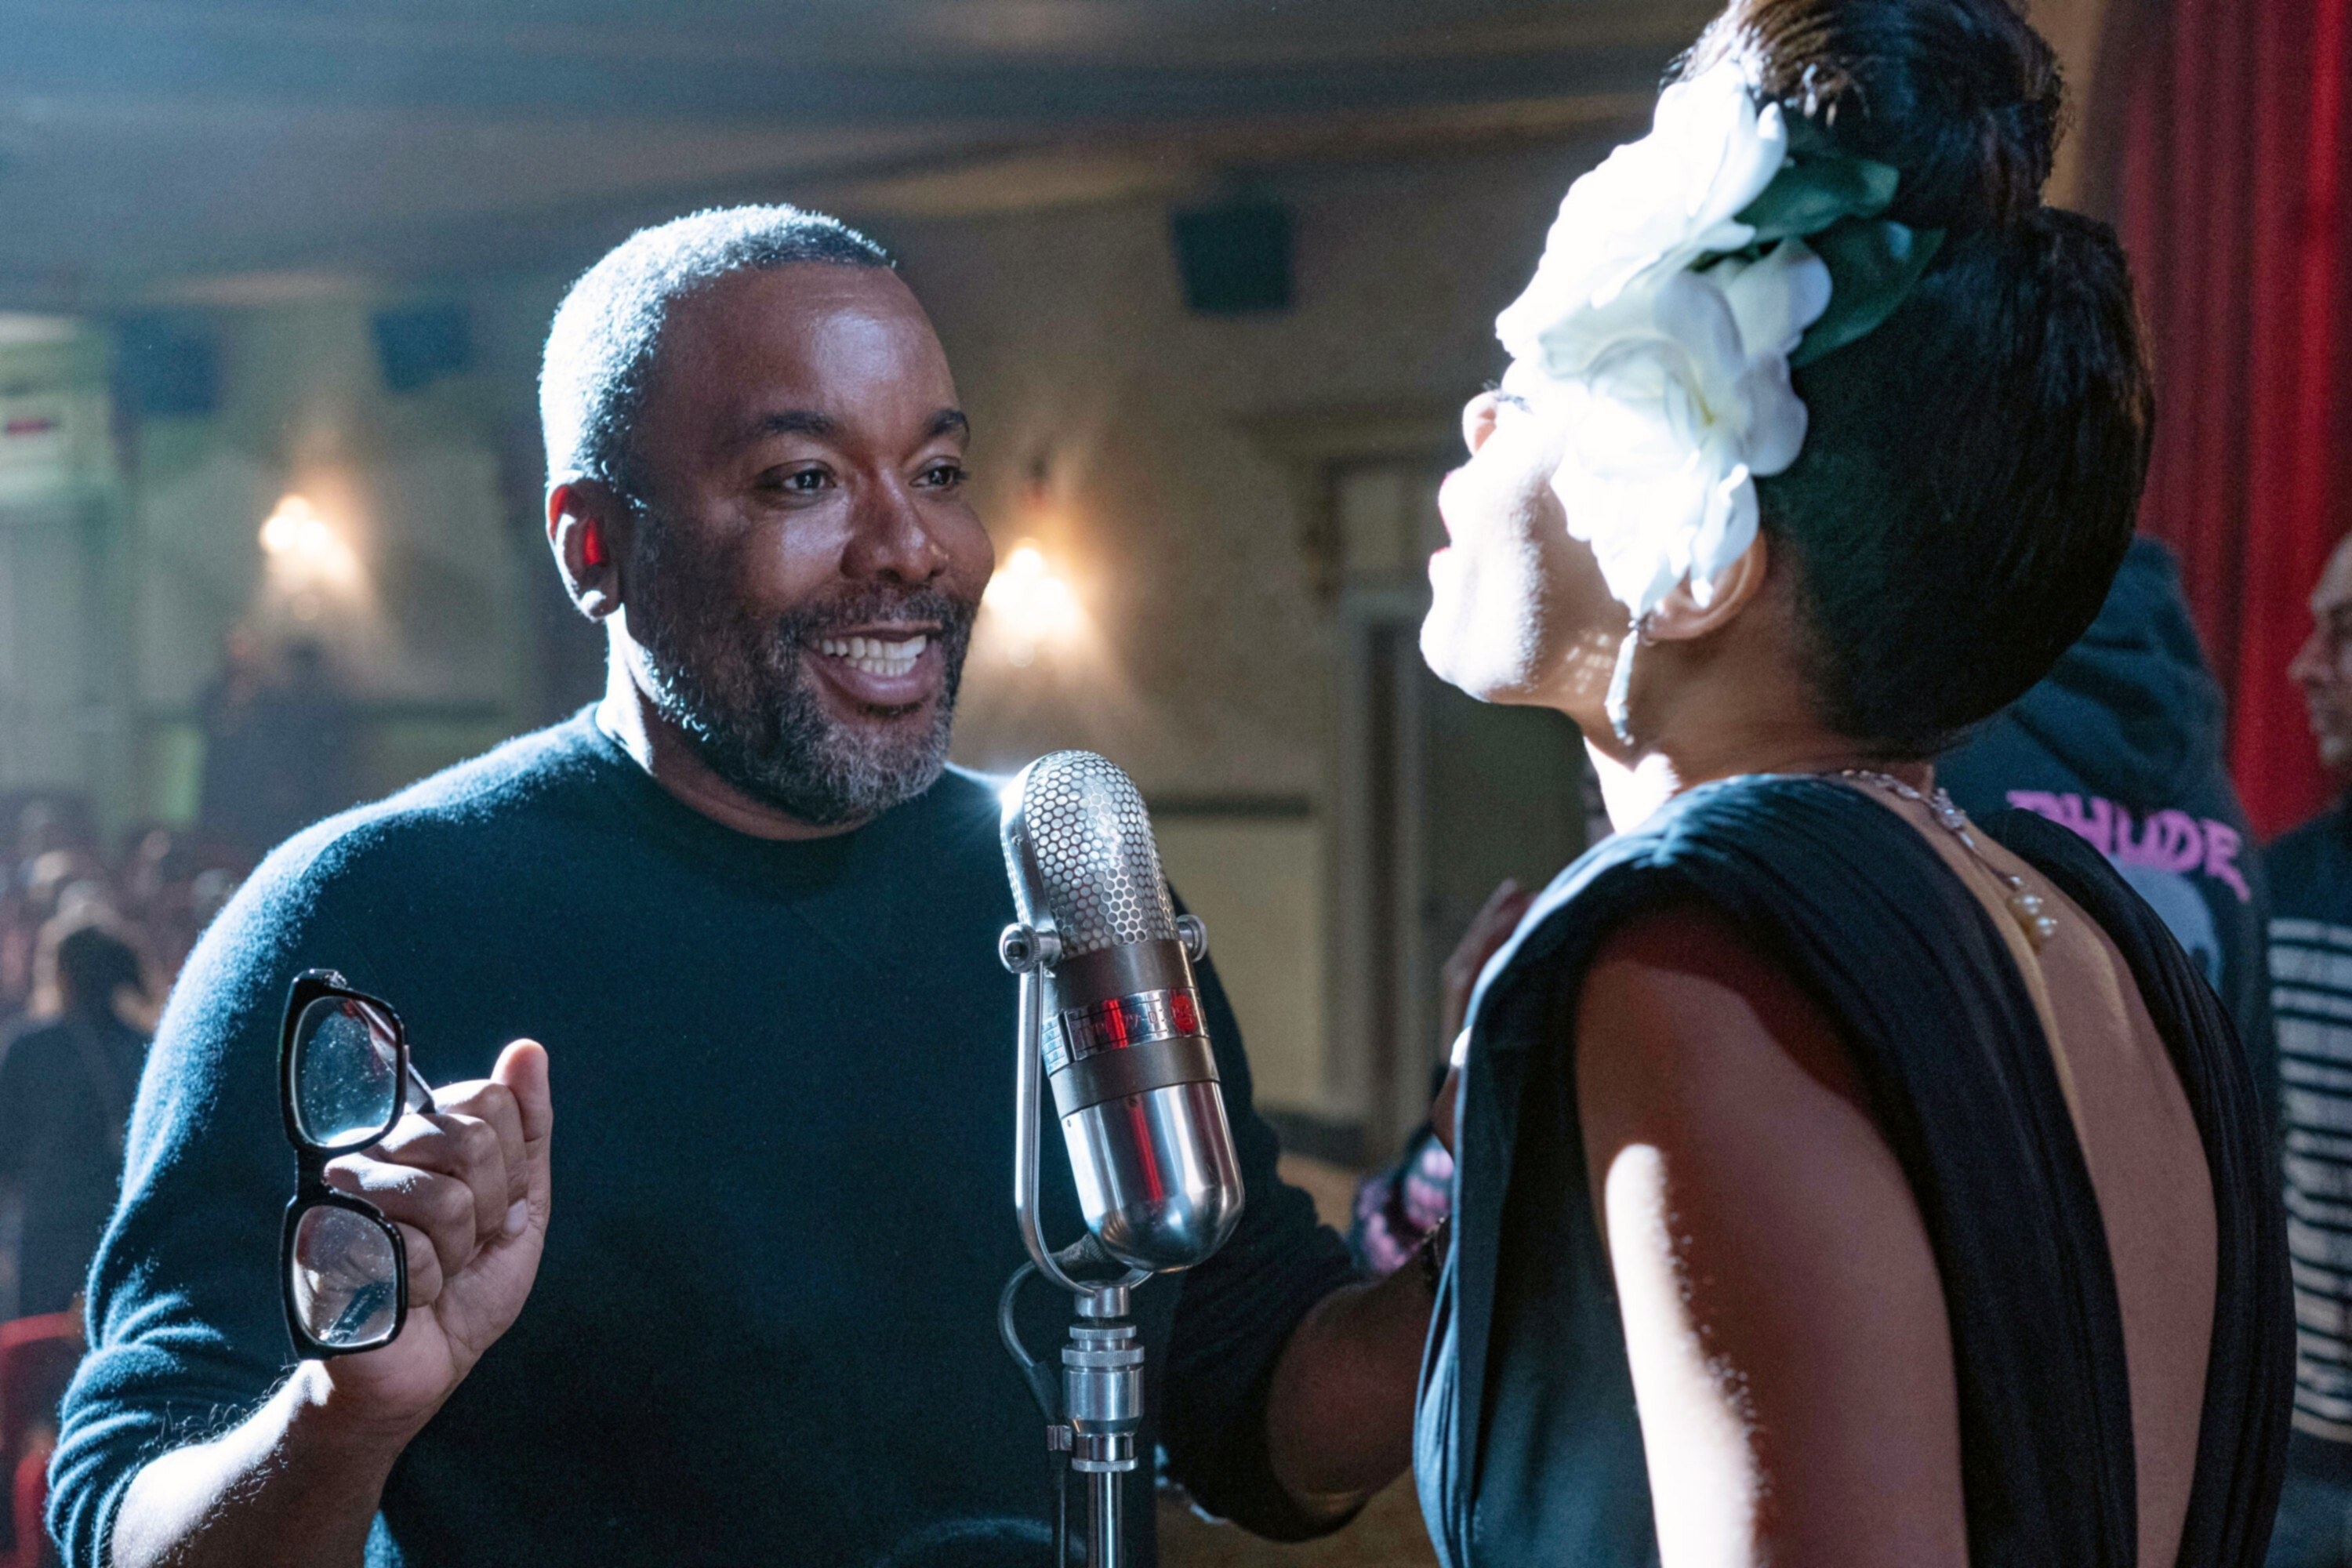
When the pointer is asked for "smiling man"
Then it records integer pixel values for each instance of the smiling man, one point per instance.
(753, 915)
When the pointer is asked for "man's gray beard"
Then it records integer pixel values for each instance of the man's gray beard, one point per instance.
(796, 758)
(751, 705)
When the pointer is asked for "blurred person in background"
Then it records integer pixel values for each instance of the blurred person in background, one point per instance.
(20, 934)
(316, 721)
(45, 826)
(54, 855)
(157, 888)
(1398, 1211)
(67, 1076)
(240, 759)
(2122, 742)
(175, 884)
(2310, 872)
(277, 744)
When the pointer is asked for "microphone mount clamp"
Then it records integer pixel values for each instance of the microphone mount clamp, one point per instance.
(1102, 1366)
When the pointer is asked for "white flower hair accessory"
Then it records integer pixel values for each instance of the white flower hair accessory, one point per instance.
(1683, 278)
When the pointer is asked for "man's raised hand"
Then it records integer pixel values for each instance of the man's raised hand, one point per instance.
(467, 1184)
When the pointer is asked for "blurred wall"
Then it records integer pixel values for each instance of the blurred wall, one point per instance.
(1166, 492)
(65, 705)
(417, 600)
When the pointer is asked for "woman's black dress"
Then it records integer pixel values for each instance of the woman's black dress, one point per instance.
(1529, 1449)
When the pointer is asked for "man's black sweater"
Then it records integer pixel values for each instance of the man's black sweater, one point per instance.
(763, 1332)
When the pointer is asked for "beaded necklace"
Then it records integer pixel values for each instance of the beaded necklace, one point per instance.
(2027, 907)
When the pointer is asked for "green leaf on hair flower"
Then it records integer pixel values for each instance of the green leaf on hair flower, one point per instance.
(1873, 265)
(1831, 200)
(1810, 192)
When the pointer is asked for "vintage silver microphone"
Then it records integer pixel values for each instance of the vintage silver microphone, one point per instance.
(1110, 1017)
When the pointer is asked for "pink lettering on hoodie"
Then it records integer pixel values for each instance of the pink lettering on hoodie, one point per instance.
(2168, 840)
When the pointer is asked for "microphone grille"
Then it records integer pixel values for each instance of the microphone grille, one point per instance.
(1090, 840)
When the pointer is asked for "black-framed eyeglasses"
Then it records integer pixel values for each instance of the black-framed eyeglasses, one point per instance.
(345, 1079)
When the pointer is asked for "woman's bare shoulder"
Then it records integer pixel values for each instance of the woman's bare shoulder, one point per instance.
(1783, 1312)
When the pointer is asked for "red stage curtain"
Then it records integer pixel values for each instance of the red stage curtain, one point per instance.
(2234, 163)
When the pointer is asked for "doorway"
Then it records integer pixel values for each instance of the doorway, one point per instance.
(1436, 797)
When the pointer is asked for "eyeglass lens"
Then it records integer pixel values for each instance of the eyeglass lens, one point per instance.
(347, 1082)
(346, 1279)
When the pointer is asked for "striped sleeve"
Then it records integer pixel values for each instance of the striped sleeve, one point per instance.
(2311, 976)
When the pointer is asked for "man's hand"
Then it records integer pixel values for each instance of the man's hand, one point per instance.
(1489, 929)
(467, 1183)
(296, 1484)
(1339, 1414)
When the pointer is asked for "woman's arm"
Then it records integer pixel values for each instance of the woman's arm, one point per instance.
(1783, 1313)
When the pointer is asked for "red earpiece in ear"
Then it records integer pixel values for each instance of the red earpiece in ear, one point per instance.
(591, 545)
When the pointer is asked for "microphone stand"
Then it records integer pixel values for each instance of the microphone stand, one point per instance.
(1100, 1407)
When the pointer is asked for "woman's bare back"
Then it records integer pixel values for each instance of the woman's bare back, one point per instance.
(2147, 1162)
(1785, 1315)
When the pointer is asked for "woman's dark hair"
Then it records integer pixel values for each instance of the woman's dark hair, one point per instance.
(1973, 466)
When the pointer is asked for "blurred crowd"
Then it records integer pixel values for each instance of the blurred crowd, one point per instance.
(94, 929)
(92, 941)
(90, 944)
(156, 896)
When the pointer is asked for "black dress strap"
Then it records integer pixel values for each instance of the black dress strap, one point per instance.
(1529, 1443)
(2250, 1374)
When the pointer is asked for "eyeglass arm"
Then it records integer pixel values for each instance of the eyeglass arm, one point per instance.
(418, 1096)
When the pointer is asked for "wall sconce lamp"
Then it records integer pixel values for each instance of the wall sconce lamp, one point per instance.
(1031, 602)
(304, 553)
(294, 528)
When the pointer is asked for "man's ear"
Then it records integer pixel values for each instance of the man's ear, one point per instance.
(1681, 616)
(588, 528)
